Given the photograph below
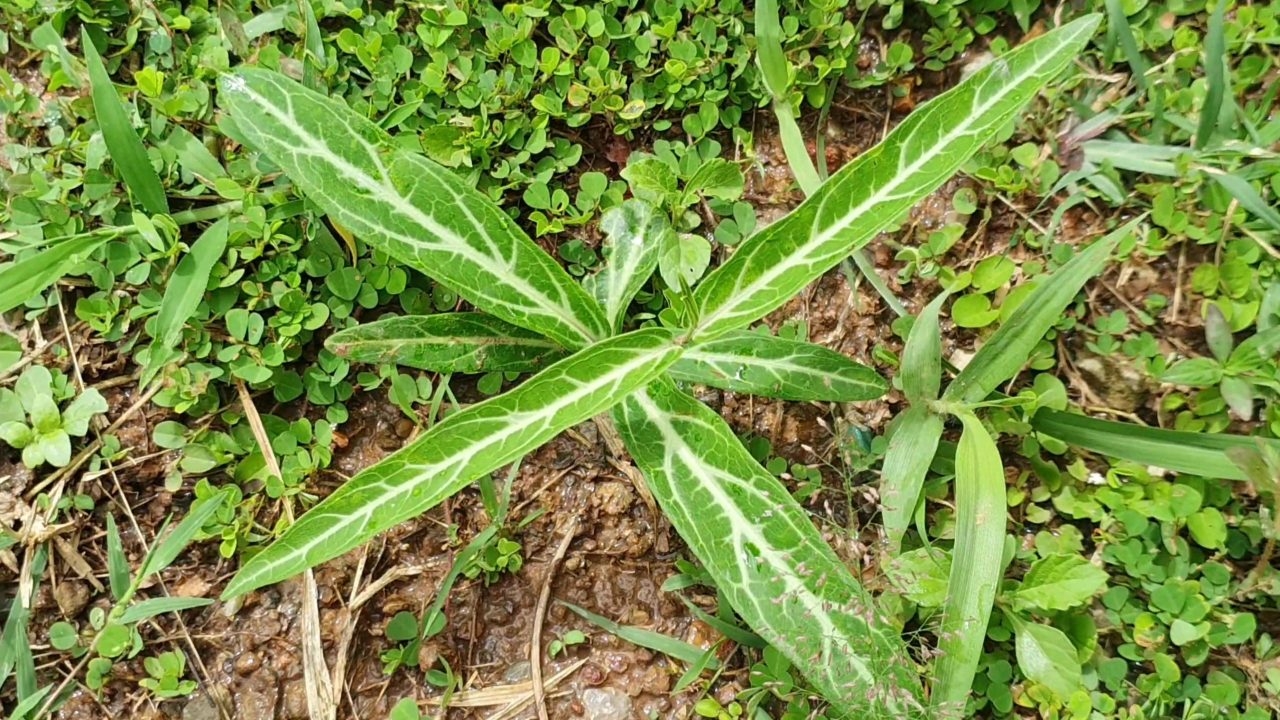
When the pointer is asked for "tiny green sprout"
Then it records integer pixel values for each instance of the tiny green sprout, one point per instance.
(566, 641)
(31, 421)
(166, 671)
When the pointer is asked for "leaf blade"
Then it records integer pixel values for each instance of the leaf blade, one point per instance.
(447, 342)
(408, 206)
(634, 233)
(764, 553)
(770, 366)
(876, 188)
(185, 290)
(27, 278)
(459, 449)
(912, 446)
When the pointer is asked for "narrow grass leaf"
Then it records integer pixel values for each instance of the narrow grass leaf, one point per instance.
(759, 364)
(912, 446)
(1204, 454)
(184, 291)
(1009, 348)
(921, 376)
(123, 144)
(975, 567)
(27, 278)
(193, 156)
(416, 211)
(168, 546)
(1249, 199)
(15, 647)
(1119, 29)
(1215, 76)
(633, 234)
(460, 448)
(765, 554)
(656, 641)
(448, 342)
(151, 607)
(881, 185)
(1124, 155)
(769, 55)
(117, 561)
(724, 627)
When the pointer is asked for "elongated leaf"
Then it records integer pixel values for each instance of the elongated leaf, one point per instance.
(1215, 76)
(151, 607)
(759, 364)
(30, 276)
(769, 56)
(634, 233)
(1248, 198)
(912, 446)
(126, 150)
(406, 205)
(449, 342)
(459, 449)
(1185, 452)
(117, 561)
(922, 356)
(1046, 656)
(881, 185)
(185, 290)
(656, 641)
(765, 555)
(169, 546)
(1009, 348)
(975, 566)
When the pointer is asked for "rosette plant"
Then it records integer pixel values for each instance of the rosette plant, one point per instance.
(754, 539)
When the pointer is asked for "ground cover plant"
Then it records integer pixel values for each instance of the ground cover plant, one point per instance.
(600, 188)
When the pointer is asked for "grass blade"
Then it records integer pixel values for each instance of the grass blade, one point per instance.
(912, 446)
(449, 342)
(881, 185)
(765, 554)
(975, 567)
(921, 375)
(759, 364)
(168, 546)
(151, 607)
(416, 211)
(656, 641)
(1202, 454)
(1008, 349)
(15, 648)
(1215, 76)
(27, 278)
(460, 448)
(123, 144)
(183, 293)
(1249, 199)
(117, 561)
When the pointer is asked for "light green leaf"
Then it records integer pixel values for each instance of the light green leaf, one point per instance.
(880, 186)
(35, 382)
(1187, 452)
(408, 206)
(1046, 655)
(683, 259)
(151, 607)
(759, 364)
(76, 416)
(1008, 349)
(1059, 582)
(193, 156)
(765, 555)
(44, 414)
(921, 576)
(656, 641)
(169, 545)
(10, 352)
(769, 56)
(53, 447)
(1208, 528)
(127, 152)
(460, 448)
(117, 561)
(449, 342)
(16, 434)
(634, 232)
(976, 566)
(921, 375)
(25, 279)
(184, 291)
(650, 179)
(912, 445)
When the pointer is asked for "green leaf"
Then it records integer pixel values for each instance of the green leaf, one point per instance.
(881, 185)
(1215, 77)
(1186, 452)
(117, 561)
(10, 352)
(1208, 528)
(1046, 655)
(1008, 349)
(127, 152)
(921, 576)
(151, 607)
(27, 278)
(184, 291)
(1249, 199)
(1193, 372)
(460, 448)
(76, 416)
(634, 232)
(921, 375)
(1059, 582)
(764, 553)
(760, 364)
(449, 342)
(169, 545)
(416, 211)
(193, 156)
(769, 56)
(44, 414)
(665, 644)
(651, 180)
(16, 435)
(975, 566)
(52, 447)
(683, 258)
(912, 445)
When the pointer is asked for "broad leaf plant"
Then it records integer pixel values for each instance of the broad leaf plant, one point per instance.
(754, 539)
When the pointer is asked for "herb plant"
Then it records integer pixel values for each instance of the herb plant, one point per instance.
(755, 540)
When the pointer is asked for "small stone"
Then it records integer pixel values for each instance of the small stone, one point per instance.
(518, 672)
(200, 707)
(72, 596)
(605, 704)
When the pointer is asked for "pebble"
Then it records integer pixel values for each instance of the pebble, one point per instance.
(606, 704)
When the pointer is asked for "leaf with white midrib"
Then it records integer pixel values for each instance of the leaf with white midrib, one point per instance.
(881, 185)
(769, 366)
(634, 231)
(765, 554)
(416, 211)
(460, 448)
(447, 342)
